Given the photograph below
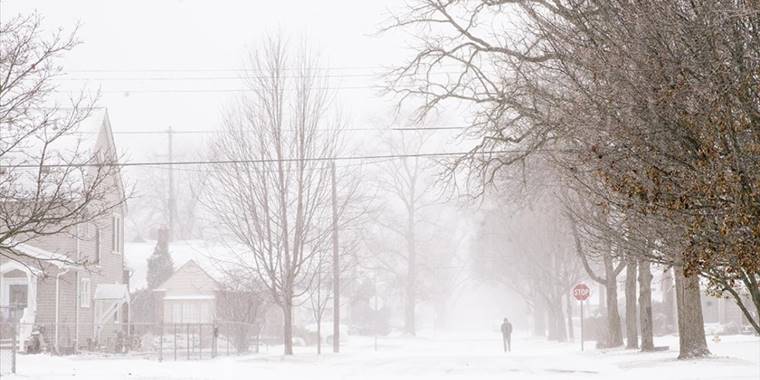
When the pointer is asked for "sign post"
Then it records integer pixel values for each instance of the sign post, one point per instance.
(581, 292)
(376, 303)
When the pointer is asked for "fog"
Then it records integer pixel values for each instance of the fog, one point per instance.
(367, 189)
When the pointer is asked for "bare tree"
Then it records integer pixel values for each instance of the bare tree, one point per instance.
(320, 295)
(243, 302)
(408, 181)
(528, 249)
(274, 195)
(150, 204)
(612, 266)
(51, 177)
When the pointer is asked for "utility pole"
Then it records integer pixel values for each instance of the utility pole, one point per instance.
(171, 200)
(336, 266)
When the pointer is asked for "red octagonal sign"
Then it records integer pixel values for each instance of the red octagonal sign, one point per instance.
(581, 292)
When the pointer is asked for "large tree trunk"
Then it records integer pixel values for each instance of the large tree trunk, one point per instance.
(409, 317)
(539, 319)
(645, 305)
(319, 336)
(551, 331)
(691, 328)
(287, 329)
(411, 276)
(614, 326)
(668, 299)
(557, 330)
(411, 296)
(631, 328)
(570, 329)
(560, 318)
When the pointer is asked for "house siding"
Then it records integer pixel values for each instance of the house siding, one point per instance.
(188, 281)
(109, 270)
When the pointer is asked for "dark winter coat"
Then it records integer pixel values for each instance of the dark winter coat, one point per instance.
(506, 328)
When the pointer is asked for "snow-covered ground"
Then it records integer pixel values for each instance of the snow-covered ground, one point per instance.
(458, 356)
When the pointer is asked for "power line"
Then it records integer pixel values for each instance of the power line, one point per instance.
(262, 161)
(214, 131)
(207, 91)
(222, 69)
(194, 78)
(322, 167)
(67, 77)
(211, 131)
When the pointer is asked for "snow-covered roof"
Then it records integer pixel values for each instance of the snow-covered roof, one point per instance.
(208, 254)
(194, 297)
(57, 259)
(111, 292)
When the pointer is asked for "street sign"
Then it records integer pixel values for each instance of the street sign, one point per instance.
(581, 292)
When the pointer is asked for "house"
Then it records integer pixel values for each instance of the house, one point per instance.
(72, 284)
(194, 299)
(188, 296)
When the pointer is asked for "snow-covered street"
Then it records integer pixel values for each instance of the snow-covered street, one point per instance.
(397, 189)
(458, 356)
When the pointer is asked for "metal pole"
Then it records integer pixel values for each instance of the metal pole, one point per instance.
(214, 331)
(161, 343)
(13, 348)
(175, 342)
(581, 326)
(375, 314)
(336, 266)
(170, 135)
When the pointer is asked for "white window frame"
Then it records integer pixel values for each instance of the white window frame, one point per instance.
(85, 293)
(98, 250)
(117, 230)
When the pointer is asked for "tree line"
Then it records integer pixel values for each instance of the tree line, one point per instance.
(645, 113)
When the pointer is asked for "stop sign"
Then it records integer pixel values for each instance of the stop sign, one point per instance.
(581, 292)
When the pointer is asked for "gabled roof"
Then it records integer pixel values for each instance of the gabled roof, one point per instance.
(190, 265)
(91, 138)
(209, 255)
(43, 256)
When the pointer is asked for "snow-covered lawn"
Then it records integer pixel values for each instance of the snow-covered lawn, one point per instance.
(459, 356)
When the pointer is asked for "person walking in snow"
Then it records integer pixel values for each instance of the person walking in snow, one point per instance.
(506, 334)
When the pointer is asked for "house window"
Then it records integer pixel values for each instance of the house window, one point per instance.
(187, 312)
(96, 259)
(84, 293)
(17, 296)
(176, 312)
(116, 232)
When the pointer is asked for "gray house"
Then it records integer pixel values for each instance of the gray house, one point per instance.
(188, 296)
(76, 305)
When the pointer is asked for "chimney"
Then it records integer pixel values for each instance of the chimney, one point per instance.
(163, 239)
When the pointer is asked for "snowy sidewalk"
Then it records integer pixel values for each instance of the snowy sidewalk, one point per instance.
(451, 356)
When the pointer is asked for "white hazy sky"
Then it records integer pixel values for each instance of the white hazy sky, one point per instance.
(169, 62)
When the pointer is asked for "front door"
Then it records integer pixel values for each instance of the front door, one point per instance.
(17, 300)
